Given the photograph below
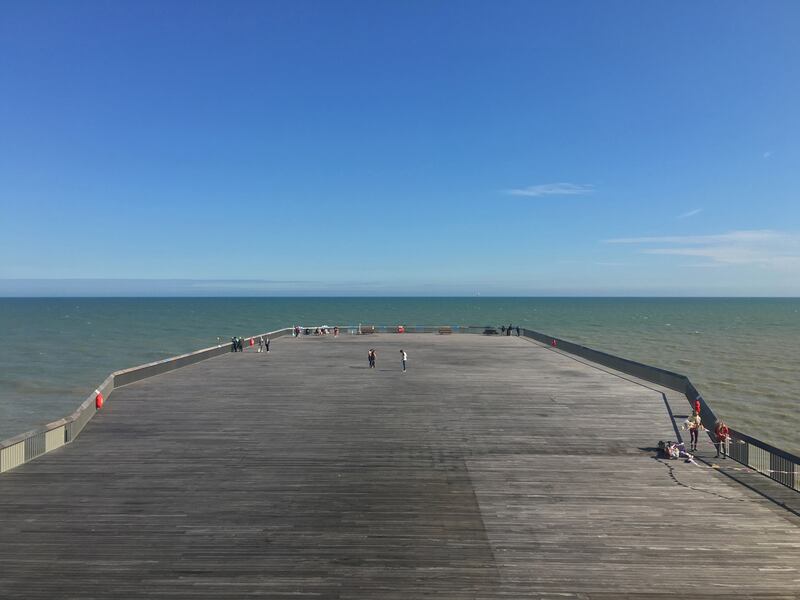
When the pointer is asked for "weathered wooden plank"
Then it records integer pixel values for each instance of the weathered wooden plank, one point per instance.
(493, 468)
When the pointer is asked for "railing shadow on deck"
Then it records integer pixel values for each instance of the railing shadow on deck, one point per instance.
(777, 464)
(764, 458)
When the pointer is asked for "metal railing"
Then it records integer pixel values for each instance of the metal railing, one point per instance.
(777, 464)
(764, 458)
(768, 460)
(25, 447)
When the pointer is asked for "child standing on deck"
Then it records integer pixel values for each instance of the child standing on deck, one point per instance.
(723, 435)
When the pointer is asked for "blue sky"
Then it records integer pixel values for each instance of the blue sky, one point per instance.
(514, 148)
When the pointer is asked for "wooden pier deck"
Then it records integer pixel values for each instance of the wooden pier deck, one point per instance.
(494, 468)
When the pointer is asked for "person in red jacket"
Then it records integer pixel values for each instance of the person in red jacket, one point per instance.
(722, 433)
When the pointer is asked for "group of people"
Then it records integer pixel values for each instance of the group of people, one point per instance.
(695, 425)
(372, 356)
(237, 344)
(507, 330)
(324, 330)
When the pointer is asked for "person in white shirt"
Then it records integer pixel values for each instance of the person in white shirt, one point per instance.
(694, 424)
(405, 358)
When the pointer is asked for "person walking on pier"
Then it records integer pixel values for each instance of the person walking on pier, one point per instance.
(502, 329)
(266, 345)
(694, 424)
(371, 357)
(404, 358)
(722, 434)
(517, 330)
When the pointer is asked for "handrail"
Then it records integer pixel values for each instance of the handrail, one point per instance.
(29, 445)
(777, 464)
(24, 447)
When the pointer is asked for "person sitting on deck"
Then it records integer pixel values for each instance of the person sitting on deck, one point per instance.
(679, 451)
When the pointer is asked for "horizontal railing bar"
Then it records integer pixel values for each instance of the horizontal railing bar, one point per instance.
(739, 450)
(36, 441)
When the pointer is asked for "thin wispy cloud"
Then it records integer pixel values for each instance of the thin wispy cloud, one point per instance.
(552, 189)
(767, 154)
(691, 213)
(760, 247)
(753, 235)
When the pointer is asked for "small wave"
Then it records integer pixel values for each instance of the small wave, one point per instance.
(722, 383)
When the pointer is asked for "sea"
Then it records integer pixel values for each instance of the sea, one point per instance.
(741, 353)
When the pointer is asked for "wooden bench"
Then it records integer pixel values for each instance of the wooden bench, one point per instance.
(445, 330)
(367, 329)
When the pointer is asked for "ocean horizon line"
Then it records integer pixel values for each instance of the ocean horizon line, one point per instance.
(410, 296)
(391, 296)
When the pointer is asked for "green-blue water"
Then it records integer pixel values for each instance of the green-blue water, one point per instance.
(742, 354)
